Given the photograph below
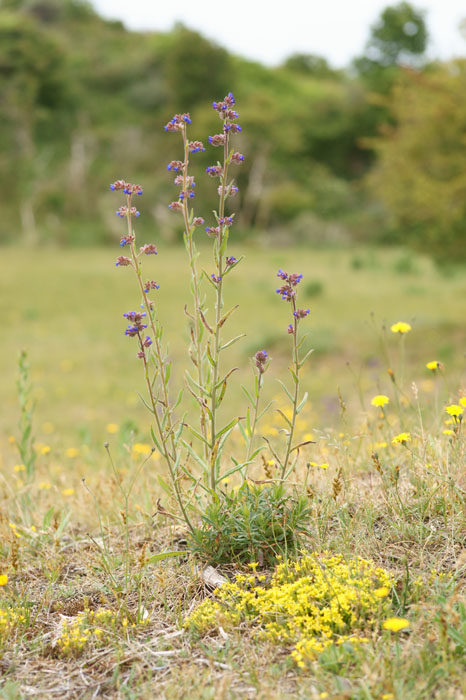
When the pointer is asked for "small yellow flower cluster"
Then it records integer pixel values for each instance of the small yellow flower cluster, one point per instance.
(91, 627)
(88, 626)
(320, 600)
(9, 619)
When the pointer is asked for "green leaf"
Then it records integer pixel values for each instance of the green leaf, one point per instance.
(233, 340)
(309, 352)
(284, 416)
(286, 390)
(163, 555)
(248, 395)
(299, 408)
(149, 408)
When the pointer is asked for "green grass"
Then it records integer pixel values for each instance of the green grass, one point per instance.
(65, 308)
(69, 548)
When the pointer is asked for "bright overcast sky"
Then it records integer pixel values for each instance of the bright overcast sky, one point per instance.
(271, 30)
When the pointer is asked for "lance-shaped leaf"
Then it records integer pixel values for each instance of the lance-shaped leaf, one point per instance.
(227, 315)
(233, 340)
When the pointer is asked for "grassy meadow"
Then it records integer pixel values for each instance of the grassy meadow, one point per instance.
(87, 610)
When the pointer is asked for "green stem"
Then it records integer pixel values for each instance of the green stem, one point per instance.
(218, 315)
(296, 391)
(169, 458)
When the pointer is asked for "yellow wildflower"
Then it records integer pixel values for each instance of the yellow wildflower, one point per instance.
(112, 428)
(19, 468)
(3, 579)
(380, 445)
(435, 364)
(455, 411)
(463, 401)
(324, 465)
(400, 327)
(72, 452)
(42, 448)
(12, 439)
(401, 439)
(396, 624)
(380, 400)
(45, 486)
(68, 492)
(141, 448)
(448, 431)
(388, 696)
(382, 592)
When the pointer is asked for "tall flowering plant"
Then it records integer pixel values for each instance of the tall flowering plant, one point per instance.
(208, 378)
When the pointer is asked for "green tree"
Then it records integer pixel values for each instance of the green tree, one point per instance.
(399, 37)
(195, 69)
(420, 177)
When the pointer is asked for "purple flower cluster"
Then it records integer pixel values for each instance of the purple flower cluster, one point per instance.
(150, 284)
(195, 146)
(136, 319)
(123, 212)
(127, 187)
(175, 165)
(124, 240)
(287, 291)
(301, 313)
(178, 123)
(261, 359)
(148, 249)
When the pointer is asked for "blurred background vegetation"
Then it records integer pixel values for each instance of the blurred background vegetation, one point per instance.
(373, 154)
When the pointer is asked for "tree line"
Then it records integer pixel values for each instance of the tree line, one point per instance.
(374, 152)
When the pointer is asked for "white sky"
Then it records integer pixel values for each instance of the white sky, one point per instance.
(271, 30)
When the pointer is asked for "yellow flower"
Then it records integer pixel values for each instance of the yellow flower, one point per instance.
(42, 448)
(435, 364)
(380, 400)
(324, 465)
(388, 696)
(68, 492)
(141, 448)
(382, 592)
(72, 452)
(112, 428)
(380, 445)
(401, 439)
(3, 579)
(12, 439)
(323, 695)
(447, 431)
(400, 327)
(19, 468)
(463, 401)
(454, 410)
(396, 624)
(45, 486)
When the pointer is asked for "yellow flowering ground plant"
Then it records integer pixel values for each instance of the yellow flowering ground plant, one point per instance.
(309, 605)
